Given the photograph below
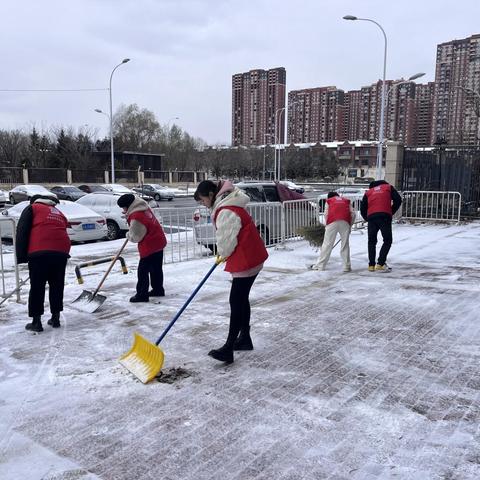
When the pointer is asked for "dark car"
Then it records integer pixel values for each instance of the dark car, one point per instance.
(92, 188)
(24, 192)
(67, 192)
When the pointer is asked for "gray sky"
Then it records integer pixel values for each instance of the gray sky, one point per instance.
(184, 52)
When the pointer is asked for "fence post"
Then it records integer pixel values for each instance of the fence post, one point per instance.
(170, 177)
(106, 176)
(69, 177)
(195, 177)
(25, 176)
(394, 164)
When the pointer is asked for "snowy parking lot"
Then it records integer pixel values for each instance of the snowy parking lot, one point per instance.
(355, 375)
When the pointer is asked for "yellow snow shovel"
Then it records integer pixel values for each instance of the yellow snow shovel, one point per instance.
(145, 359)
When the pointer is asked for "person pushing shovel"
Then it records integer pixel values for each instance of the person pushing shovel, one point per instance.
(239, 242)
(146, 231)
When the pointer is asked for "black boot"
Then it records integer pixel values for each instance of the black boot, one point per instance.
(55, 320)
(243, 342)
(36, 325)
(223, 354)
(153, 293)
(136, 299)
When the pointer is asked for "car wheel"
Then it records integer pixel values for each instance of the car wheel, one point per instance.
(113, 230)
(264, 233)
(170, 199)
(157, 197)
(212, 247)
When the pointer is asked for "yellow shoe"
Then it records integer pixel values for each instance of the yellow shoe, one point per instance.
(371, 268)
(382, 268)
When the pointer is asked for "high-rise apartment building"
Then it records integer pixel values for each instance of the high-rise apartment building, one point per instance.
(424, 95)
(457, 74)
(258, 97)
(353, 114)
(316, 115)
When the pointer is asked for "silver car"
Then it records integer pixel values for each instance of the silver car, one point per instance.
(155, 191)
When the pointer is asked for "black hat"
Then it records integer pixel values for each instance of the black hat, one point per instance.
(126, 200)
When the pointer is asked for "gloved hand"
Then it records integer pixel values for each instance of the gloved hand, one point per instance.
(219, 259)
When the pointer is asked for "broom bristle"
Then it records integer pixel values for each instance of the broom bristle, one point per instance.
(313, 234)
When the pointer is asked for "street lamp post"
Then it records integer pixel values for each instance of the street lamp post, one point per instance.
(276, 174)
(382, 107)
(269, 135)
(112, 152)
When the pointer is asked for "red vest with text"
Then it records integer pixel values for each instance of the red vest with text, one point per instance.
(250, 250)
(154, 240)
(49, 230)
(379, 199)
(338, 209)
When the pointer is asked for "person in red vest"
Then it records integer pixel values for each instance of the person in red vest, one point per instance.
(239, 242)
(339, 217)
(42, 242)
(378, 206)
(146, 231)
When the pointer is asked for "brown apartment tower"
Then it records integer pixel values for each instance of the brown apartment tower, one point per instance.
(257, 96)
(457, 89)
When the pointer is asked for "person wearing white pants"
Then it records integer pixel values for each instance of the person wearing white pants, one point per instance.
(339, 217)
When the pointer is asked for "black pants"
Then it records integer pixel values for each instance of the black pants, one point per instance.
(384, 224)
(43, 269)
(239, 307)
(150, 271)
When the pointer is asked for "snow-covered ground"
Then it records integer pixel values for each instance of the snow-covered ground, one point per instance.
(354, 375)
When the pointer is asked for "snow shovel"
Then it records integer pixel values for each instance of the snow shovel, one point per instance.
(144, 359)
(90, 302)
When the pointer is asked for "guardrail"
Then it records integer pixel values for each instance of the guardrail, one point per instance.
(8, 290)
(438, 206)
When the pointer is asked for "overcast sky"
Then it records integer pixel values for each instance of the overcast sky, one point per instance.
(184, 52)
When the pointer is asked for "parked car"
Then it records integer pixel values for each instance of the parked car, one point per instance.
(105, 204)
(156, 191)
(92, 188)
(3, 198)
(24, 192)
(292, 186)
(268, 221)
(67, 192)
(83, 223)
(117, 188)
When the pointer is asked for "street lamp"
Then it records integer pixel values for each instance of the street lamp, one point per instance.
(112, 153)
(269, 135)
(382, 107)
(276, 138)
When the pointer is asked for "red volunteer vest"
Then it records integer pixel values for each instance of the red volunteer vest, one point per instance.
(154, 240)
(379, 199)
(338, 209)
(250, 250)
(49, 230)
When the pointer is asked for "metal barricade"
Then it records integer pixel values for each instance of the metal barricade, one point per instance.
(297, 214)
(9, 265)
(434, 206)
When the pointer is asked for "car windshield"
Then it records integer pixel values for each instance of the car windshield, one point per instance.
(72, 189)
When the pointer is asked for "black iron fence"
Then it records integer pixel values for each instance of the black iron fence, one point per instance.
(88, 176)
(47, 175)
(11, 175)
(156, 176)
(444, 168)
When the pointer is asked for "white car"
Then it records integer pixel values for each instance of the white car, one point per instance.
(26, 192)
(83, 224)
(105, 204)
(3, 198)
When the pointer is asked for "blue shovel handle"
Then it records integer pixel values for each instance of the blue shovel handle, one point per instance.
(185, 305)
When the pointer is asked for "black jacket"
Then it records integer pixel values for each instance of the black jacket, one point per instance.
(396, 201)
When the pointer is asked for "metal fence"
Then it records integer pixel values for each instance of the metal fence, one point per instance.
(9, 273)
(154, 176)
(88, 176)
(11, 175)
(47, 175)
(437, 206)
